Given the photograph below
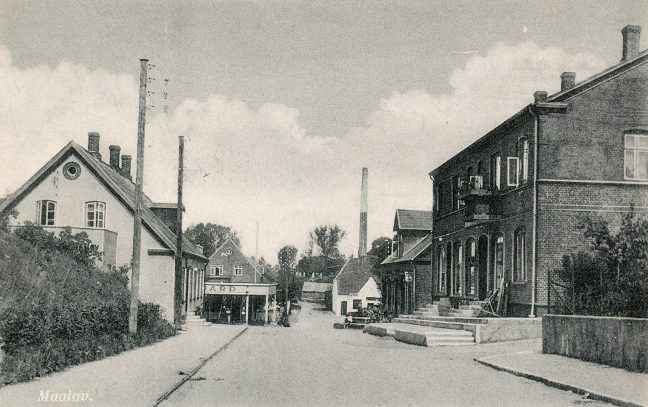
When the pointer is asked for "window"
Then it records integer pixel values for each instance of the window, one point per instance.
(357, 304)
(480, 168)
(519, 253)
(215, 270)
(456, 269)
(95, 214)
(636, 156)
(456, 185)
(238, 270)
(499, 260)
(471, 264)
(45, 213)
(512, 174)
(523, 155)
(441, 272)
(495, 171)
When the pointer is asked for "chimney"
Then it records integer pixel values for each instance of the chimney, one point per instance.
(631, 38)
(126, 166)
(539, 96)
(362, 249)
(93, 145)
(114, 157)
(567, 80)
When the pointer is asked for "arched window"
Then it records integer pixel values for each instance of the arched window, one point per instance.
(523, 156)
(457, 269)
(519, 256)
(496, 172)
(499, 260)
(441, 271)
(471, 266)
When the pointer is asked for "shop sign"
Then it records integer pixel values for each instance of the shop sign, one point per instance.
(242, 289)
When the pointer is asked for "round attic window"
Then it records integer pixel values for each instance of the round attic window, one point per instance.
(72, 170)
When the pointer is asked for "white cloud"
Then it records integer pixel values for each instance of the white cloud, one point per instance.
(245, 164)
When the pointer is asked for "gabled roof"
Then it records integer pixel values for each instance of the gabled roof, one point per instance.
(122, 188)
(353, 276)
(408, 219)
(412, 253)
(311, 286)
(220, 248)
(560, 97)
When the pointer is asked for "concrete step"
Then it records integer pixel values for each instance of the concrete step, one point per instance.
(426, 314)
(436, 324)
(462, 319)
(471, 306)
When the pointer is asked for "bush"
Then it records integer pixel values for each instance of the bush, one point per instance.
(57, 310)
(611, 279)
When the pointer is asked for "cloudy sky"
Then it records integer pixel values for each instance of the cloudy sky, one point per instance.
(282, 103)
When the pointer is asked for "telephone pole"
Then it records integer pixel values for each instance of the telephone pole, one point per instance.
(137, 217)
(179, 273)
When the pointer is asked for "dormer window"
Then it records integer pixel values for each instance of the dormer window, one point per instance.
(45, 213)
(96, 214)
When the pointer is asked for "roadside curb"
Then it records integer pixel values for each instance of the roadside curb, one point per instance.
(560, 385)
(195, 370)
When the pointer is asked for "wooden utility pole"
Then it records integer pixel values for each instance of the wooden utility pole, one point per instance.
(137, 217)
(179, 272)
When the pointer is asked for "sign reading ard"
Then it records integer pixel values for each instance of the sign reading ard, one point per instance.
(240, 289)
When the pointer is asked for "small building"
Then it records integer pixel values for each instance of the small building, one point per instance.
(317, 292)
(76, 189)
(407, 272)
(236, 288)
(354, 286)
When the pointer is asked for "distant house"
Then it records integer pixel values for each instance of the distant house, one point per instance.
(237, 290)
(317, 292)
(77, 189)
(355, 285)
(407, 272)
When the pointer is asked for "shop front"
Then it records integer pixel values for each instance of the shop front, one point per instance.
(240, 303)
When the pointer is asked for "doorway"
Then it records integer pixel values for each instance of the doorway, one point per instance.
(448, 266)
(343, 308)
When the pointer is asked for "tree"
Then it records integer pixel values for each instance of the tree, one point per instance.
(286, 262)
(381, 248)
(612, 278)
(210, 236)
(327, 238)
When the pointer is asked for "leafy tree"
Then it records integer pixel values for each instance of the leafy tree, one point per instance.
(4, 219)
(380, 248)
(210, 236)
(611, 279)
(327, 238)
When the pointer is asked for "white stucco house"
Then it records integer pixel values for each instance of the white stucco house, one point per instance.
(354, 285)
(77, 189)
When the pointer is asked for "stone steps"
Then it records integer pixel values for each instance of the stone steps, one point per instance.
(192, 319)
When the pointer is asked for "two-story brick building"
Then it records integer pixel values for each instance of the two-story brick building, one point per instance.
(236, 288)
(77, 189)
(406, 274)
(507, 206)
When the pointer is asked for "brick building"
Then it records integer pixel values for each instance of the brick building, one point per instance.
(506, 206)
(406, 273)
(236, 289)
(77, 189)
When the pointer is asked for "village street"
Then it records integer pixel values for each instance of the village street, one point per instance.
(312, 364)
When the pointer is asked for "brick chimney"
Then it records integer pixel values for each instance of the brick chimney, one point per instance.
(126, 166)
(114, 157)
(362, 247)
(539, 96)
(93, 145)
(631, 39)
(567, 80)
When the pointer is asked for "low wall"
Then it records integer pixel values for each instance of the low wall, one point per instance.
(508, 329)
(613, 341)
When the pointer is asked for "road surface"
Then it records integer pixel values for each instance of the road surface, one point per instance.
(312, 364)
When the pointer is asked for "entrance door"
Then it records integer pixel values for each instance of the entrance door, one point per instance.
(343, 308)
(448, 266)
(482, 266)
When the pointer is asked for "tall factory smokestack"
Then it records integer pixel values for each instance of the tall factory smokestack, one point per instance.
(362, 249)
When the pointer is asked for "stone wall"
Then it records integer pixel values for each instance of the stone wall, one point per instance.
(613, 341)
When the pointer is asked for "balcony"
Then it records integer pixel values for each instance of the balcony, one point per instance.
(481, 203)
